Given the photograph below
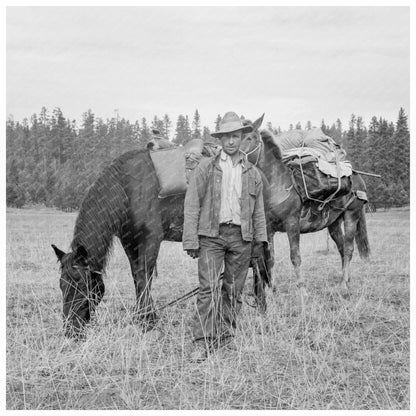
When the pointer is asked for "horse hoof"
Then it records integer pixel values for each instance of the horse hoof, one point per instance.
(344, 290)
(148, 325)
(302, 290)
(146, 321)
(262, 308)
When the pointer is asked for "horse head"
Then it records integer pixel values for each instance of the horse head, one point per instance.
(259, 145)
(82, 289)
(251, 142)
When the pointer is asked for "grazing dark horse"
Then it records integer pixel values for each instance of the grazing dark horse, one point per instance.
(287, 213)
(123, 202)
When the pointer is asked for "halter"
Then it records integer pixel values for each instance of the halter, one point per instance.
(89, 283)
(88, 271)
(258, 147)
(87, 268)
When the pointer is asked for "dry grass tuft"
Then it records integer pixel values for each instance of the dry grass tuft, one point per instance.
(327, 353)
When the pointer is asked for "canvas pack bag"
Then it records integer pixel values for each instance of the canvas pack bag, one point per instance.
(175, 165)
(170, 170)
(311, 182)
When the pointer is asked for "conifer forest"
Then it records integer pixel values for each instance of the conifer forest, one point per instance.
(52, 161)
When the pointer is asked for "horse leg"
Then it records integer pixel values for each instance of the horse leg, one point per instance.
(259, 276)
(350, 227)
(293, 234)
(335, 231)
(142, 257)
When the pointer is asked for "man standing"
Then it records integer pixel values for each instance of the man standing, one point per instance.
(224, 224)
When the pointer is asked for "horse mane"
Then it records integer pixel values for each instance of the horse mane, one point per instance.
(103, 211)
(270, 144)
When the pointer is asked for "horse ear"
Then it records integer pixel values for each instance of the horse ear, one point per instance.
(270, 145)
(81, 255)
(59, 253)
(257, 123)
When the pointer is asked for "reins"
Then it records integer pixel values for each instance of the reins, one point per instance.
(195, 291)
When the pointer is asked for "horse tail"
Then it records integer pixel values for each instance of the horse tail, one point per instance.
(361, 236)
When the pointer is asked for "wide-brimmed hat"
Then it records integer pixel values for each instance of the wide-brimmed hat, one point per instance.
(231, 122)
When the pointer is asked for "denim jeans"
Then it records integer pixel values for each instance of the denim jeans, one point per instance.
(219, 302)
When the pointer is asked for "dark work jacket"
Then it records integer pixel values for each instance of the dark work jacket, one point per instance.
(203, 203)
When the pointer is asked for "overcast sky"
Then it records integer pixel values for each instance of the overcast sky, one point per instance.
(293, 63)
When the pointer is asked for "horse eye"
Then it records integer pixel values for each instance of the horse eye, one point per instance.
(77, 273)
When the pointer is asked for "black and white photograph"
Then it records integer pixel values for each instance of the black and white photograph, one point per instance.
(207, 207)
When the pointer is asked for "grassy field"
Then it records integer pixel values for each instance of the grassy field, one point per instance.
(330, 353)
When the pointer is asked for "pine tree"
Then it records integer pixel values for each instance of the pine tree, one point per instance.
(183, 134)
(145, 134)
(34, 138)
(206, 134)
(217, 122)
(196, 126)
(358, 143)
(44, 137)
(375, 161)
(401, 151)
(167, 124)
(188, 131)
(61, 143)
(349, 140)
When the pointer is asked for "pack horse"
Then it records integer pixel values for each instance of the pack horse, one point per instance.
(289, 212)
(124, 202)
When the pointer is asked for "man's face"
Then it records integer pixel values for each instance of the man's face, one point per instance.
(231, 142)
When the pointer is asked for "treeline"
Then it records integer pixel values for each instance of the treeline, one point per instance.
(52, 161)
(382, 148)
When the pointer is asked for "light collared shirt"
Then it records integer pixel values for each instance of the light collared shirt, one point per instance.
(230, 210)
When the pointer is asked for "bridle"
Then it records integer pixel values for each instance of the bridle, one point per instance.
(88, 269)
(257, 148)
(86, 273)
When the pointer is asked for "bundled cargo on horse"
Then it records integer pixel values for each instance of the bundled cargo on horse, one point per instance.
(318, 164)
(173, 165)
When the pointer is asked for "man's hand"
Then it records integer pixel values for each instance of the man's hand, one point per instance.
(257, 249)
(194, 253)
